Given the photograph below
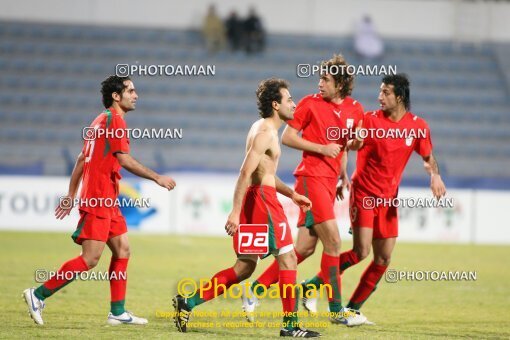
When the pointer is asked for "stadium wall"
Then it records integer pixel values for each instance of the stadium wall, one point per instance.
(201, 202)
(393, 18)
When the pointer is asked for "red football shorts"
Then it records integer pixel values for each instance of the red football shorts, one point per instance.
(92, 227)
(321, 191)
(261, 206)
(382, 219)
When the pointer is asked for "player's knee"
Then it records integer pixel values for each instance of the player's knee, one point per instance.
(362, 252)
(335, 242)
(244, 269)
(332, 245)
(91, 259)
(244, 273)
(288, 261)
(124, 252)
(382, 260)
(305, 252)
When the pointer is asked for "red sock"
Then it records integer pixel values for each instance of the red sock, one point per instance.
(270, 275)
(219, 283)
(64, 276)
(330, 274)
(118, 278)
(347, 259)
(367, 284)
(286, 283)
(75, 265)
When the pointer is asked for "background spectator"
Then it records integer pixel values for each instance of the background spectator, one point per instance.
(367, 42)
(255, 36)
(235, 30)
(213, 31)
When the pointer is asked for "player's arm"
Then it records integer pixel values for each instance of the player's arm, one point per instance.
(291, 138)
(74, 182)
(302, 201)
(62, 210)
(261, 142)
(344, 178)
(436, 183)
(138, 169)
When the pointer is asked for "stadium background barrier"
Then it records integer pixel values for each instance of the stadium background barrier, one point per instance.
(486, 19)
(200, 204)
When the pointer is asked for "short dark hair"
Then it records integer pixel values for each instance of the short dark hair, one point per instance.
(400, 84)
(268, 92)
(112, 84)
(337, 66)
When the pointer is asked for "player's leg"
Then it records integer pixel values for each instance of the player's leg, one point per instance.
(117, 272)
(287, 262)
(304, 248)
(281, 245)
(287, 267)
(362, 230)
(362, 222)
(385, 231)
(88, 259)
(321, 218)
(374, 272)
(34, 297)
(361, 244)
(305, 245)
(329, 274)
(91, 233)
(217, 285)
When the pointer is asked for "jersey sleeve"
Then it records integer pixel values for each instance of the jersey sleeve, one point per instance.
(302, 115)
(118, 138)
(424, 145)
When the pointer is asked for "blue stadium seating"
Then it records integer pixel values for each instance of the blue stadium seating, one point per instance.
(49, 90)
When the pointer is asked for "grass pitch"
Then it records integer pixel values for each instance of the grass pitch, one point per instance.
(406, 309)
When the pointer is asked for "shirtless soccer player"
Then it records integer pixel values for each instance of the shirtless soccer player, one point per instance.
(98, 166)
(255, 202)
(379, 168)
(324, 162)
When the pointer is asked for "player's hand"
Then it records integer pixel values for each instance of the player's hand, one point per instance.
(346, 184)
(437, 186)
(357, 142)
(331, 150)
(302, 202)
(232, 223)
(166, 182)
(64, 207)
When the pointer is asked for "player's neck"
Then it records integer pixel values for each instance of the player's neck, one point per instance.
(397, 114)
(337, 100)
(118, 110)
(276, 121)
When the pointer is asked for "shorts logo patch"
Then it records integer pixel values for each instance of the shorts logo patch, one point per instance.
(253, 239)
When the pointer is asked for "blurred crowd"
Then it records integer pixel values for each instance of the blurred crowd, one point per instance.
(233, 33)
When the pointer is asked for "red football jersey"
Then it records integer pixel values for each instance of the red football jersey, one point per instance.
(314, 116)
(381, 161)
(101, 170)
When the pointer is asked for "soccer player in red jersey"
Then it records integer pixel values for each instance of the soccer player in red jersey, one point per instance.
(255, 202)
(105, 151)
(379, 167)
(320, 117)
